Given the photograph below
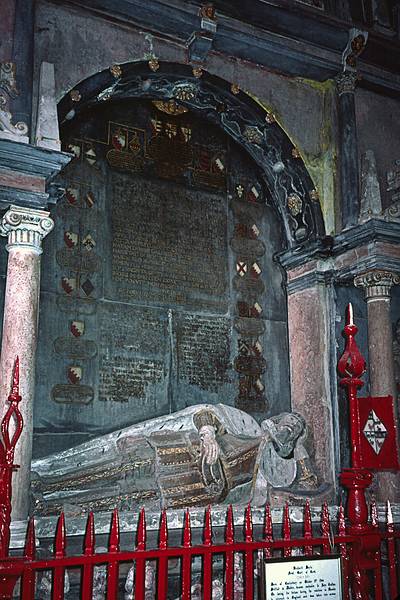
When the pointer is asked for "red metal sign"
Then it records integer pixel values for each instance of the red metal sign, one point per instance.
(378, 439)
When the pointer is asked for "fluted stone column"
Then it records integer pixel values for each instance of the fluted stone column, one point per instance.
(377, 286)
(25, 229)
(348, 148)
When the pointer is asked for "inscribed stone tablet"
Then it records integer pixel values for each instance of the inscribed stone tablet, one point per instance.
(169, 244)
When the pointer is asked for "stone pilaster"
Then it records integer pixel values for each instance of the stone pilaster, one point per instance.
(348, 150)
(25, 229)
(310, 341)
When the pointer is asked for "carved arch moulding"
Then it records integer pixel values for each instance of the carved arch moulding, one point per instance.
(292, 190)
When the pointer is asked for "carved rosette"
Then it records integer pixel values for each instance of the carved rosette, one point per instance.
(377, 284)
(25, 228)
(346, 82)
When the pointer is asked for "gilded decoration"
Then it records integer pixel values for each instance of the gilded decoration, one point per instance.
(75, 95)
(253, 135)
(170, 107)
(207, 11)
(295, 204)
(185, 91)
(116, 71)
(270, 118)
(154, 65)
(197, 72)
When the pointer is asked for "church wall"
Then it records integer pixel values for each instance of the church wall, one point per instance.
(63, 35)
(145, 308)
(306, 110)
(379, 131)
(6, 29)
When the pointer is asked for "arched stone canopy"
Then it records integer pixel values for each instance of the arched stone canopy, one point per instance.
(290, 185)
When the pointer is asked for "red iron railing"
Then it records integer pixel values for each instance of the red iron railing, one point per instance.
(249, 548)
(370, 555)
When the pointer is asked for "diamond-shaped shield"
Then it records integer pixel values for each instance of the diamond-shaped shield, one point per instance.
(88, 242)
(90, 156)
(87, 287)
(375, 432)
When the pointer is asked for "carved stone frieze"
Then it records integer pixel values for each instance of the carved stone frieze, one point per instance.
(8, 90)
(377, 284)
(26, 228)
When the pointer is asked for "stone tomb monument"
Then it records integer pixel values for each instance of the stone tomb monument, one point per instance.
(204, 454)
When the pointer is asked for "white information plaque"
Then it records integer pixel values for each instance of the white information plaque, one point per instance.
(305, 578)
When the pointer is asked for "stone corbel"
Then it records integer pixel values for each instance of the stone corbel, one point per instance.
(355, 46)
(200, 42)
(8, 90)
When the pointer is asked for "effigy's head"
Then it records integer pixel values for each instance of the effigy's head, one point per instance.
(290, 426)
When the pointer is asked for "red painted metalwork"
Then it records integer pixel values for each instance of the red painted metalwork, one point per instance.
(391, 546)
(140, 562)
(162, 574)
(325, 529)
(351, 366)
(342, 542)
(287, 532)
(187, 559)
(366, 563)
(229, 541)
(12, 418)
(248, 556)
(308, 534)
(89, 544)
(207, 559)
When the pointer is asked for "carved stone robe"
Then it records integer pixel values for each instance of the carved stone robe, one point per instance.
(159, 463)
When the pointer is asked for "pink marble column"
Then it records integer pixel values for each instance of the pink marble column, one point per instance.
(25, 229)
(309, 335)
(377, 285)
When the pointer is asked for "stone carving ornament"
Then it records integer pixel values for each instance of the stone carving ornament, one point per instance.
(243, 121)
(8, 90)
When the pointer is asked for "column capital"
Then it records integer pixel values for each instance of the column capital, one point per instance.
(377, 284)
(346, 82)
(25, 228)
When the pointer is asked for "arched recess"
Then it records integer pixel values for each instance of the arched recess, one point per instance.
(69, 402)
(292, 190)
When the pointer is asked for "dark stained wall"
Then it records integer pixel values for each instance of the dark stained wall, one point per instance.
(159, 285)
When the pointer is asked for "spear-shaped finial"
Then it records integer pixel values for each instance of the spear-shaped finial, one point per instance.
(351, 364)
(15, 396)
